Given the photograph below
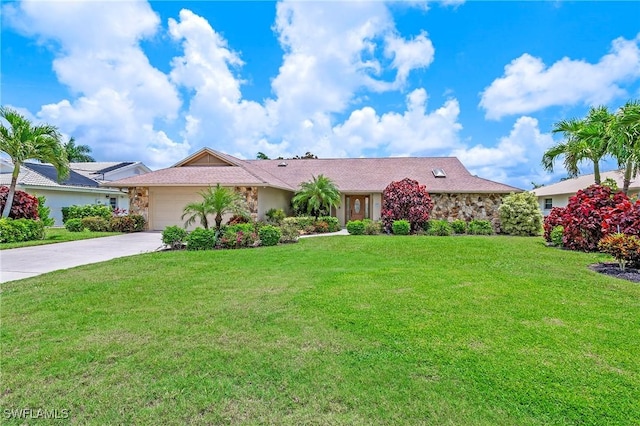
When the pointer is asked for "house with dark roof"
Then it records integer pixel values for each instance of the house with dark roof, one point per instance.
(160, 196)
(83, 186)
(558, 194)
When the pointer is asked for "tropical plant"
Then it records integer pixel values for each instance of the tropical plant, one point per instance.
(25, 206)
(24, 141)
(584, 139)
(408, 200)
(625, 248)
(520, 214)
(626, 141)
(44, 212)
(317, 196)
(275, 216)
(78, 153)
(216, 201)
(552, 221)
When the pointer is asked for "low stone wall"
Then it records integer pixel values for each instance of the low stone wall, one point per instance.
(467, 207)
(139, 203)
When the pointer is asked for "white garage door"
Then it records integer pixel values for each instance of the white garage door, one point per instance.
(167, 203)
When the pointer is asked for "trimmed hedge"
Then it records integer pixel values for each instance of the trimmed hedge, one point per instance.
(74, 225)
(401, 227)
(355, 227)
(201, 239)
(19, 230)
(96, 224)
(89, 210)
(269, 235)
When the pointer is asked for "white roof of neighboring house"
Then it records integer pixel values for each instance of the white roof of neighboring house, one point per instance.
(571, 186)
(98, 170)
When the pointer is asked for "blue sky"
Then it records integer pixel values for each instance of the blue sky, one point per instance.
(483, 81)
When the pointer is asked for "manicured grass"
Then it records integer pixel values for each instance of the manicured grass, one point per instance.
(336, 330)
(58, 235)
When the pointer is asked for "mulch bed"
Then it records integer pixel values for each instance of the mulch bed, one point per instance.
(613, 269)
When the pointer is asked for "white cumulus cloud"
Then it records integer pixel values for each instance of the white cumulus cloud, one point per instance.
(528, 85)
(517, 155)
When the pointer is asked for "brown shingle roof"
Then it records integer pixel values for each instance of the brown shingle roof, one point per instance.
(352, 175)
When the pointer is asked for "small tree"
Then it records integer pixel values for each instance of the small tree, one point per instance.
(408, 200)
(317, 196)
(520, 215)
(216, 201)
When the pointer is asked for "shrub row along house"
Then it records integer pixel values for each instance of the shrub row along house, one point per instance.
(160, 196)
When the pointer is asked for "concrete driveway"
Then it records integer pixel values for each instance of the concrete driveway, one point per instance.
(19, 263)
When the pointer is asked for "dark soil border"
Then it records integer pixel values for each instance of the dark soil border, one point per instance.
(613, 270)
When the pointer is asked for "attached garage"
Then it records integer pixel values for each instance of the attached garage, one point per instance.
(166, 204)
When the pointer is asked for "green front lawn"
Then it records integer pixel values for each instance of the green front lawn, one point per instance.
(336, 330)
(58, 235)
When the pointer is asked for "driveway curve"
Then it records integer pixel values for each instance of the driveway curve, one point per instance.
(19, 263)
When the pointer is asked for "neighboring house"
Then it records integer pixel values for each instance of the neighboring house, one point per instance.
(83, 186)
(557, 194)
(160, 196)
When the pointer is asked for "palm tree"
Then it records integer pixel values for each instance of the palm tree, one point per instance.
(586, 139)
(23, 141)
(626, 143)
(78, 153)
(318, 195)
(216, 201)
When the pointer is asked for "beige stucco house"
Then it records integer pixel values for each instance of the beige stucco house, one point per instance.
(558, 194)
(160, 196)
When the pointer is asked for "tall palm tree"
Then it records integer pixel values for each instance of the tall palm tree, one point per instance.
(78, 153)
(318, 195)
(216, 201)
(626, 141)
(586, 139)
(24, 141)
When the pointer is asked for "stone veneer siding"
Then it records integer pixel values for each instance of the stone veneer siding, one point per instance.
(467, 207)
(139, 203)
(250, 193)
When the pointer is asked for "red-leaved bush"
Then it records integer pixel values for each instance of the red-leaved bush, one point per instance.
(623, 218)
(407, 200)
(584, 215)
(25, 206)
(554, 219)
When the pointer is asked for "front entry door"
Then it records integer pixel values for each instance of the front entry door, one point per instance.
(358, 207)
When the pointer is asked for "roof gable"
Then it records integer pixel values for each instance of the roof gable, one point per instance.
(207, 157)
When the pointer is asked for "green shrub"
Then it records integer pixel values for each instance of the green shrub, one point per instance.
(239, 236)
(290, 234)
(332, 222)
(275, 216)
(520, 215)
(18, 230)
(129, 223)
(201, 239)
(401, 227)
(459, 226)
(300, 222)
(355, 227)
(89, 210)
(174, 237)
(480, 227)
(95, 224)
(74, 225)
(440, 228)
(44, 212)
(245, 228)
(270, 235)
(372, 227)
(556, 235)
